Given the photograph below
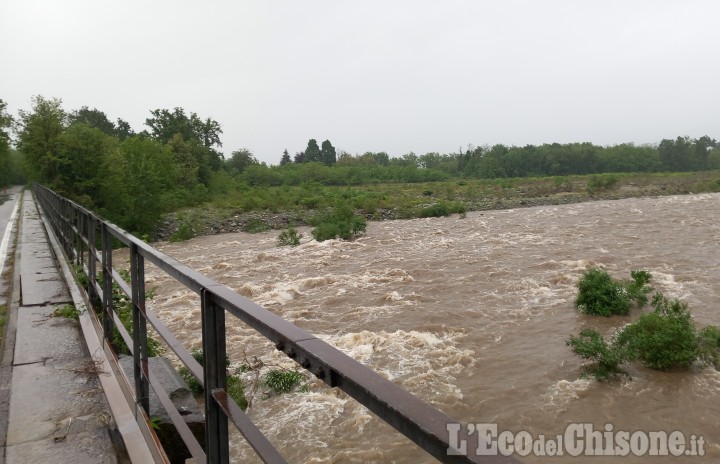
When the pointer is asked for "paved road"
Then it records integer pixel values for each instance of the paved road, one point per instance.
(8, 203)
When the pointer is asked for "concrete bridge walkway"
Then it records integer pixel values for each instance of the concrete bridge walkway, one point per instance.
(52, 405)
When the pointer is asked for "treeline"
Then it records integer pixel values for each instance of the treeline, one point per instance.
(681, 154)
(11, 170)
(132, 178)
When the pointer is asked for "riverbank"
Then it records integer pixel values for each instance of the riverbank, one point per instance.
(260, 209)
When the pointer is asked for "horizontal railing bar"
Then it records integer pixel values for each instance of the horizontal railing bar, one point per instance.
(176, 346)
(259, 442)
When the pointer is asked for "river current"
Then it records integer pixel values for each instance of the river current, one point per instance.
(471, 315)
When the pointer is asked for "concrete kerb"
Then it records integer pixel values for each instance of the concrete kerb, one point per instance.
(132, 436)
(8, 346)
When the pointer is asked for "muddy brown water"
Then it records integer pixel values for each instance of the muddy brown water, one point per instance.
(470, 315)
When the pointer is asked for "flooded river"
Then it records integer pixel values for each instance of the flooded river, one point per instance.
(470, 315)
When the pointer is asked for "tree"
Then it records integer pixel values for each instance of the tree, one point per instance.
(38, 138)
(123, 130)
(702, 148)
(201, 135)
(241, 160)
(676, 155)
(165, 123)
(299, 157)
(6, 122)
(93, 118)
(82, 150)
(188, 157)
(139, 184)
(312, 152)
(382, 158)
(429, 160)
(285, 158)
(327, 153)
(6, 168)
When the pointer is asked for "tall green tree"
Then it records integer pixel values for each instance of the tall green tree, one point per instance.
(40, 130)
(6, 165)
(140, 184)
(240, 160)
(82, 151)
(327, 153)
(93, 118)
(285, 158)
(312, 152)
(164, 124)
(676, 155)
(123, 130)
(703, 146)
(203, 134)
(188, 157)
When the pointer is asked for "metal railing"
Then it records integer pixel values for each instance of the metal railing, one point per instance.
(81, 233)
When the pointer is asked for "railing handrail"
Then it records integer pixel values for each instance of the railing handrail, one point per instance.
(77, 227)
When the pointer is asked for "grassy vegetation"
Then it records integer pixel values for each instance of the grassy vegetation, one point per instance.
(280, 381)
(67, 311)
(299, 204)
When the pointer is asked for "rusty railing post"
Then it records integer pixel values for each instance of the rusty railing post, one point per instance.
(215, 373)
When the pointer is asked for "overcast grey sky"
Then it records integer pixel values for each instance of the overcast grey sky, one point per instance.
(394, 76)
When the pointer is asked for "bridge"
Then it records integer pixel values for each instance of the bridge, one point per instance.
(66, 397)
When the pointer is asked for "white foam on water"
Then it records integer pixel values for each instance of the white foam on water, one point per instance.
(426, 363)
(707, 383)
(562, 392)
(671, 287)
(308, 418)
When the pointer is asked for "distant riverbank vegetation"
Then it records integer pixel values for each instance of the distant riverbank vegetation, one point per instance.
(174, 165)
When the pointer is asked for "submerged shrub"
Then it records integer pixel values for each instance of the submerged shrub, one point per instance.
(605, 358)
(340, 222)
(662, 339)
(281, 380)
(289, 237)
(601, 295)
(708, 341)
